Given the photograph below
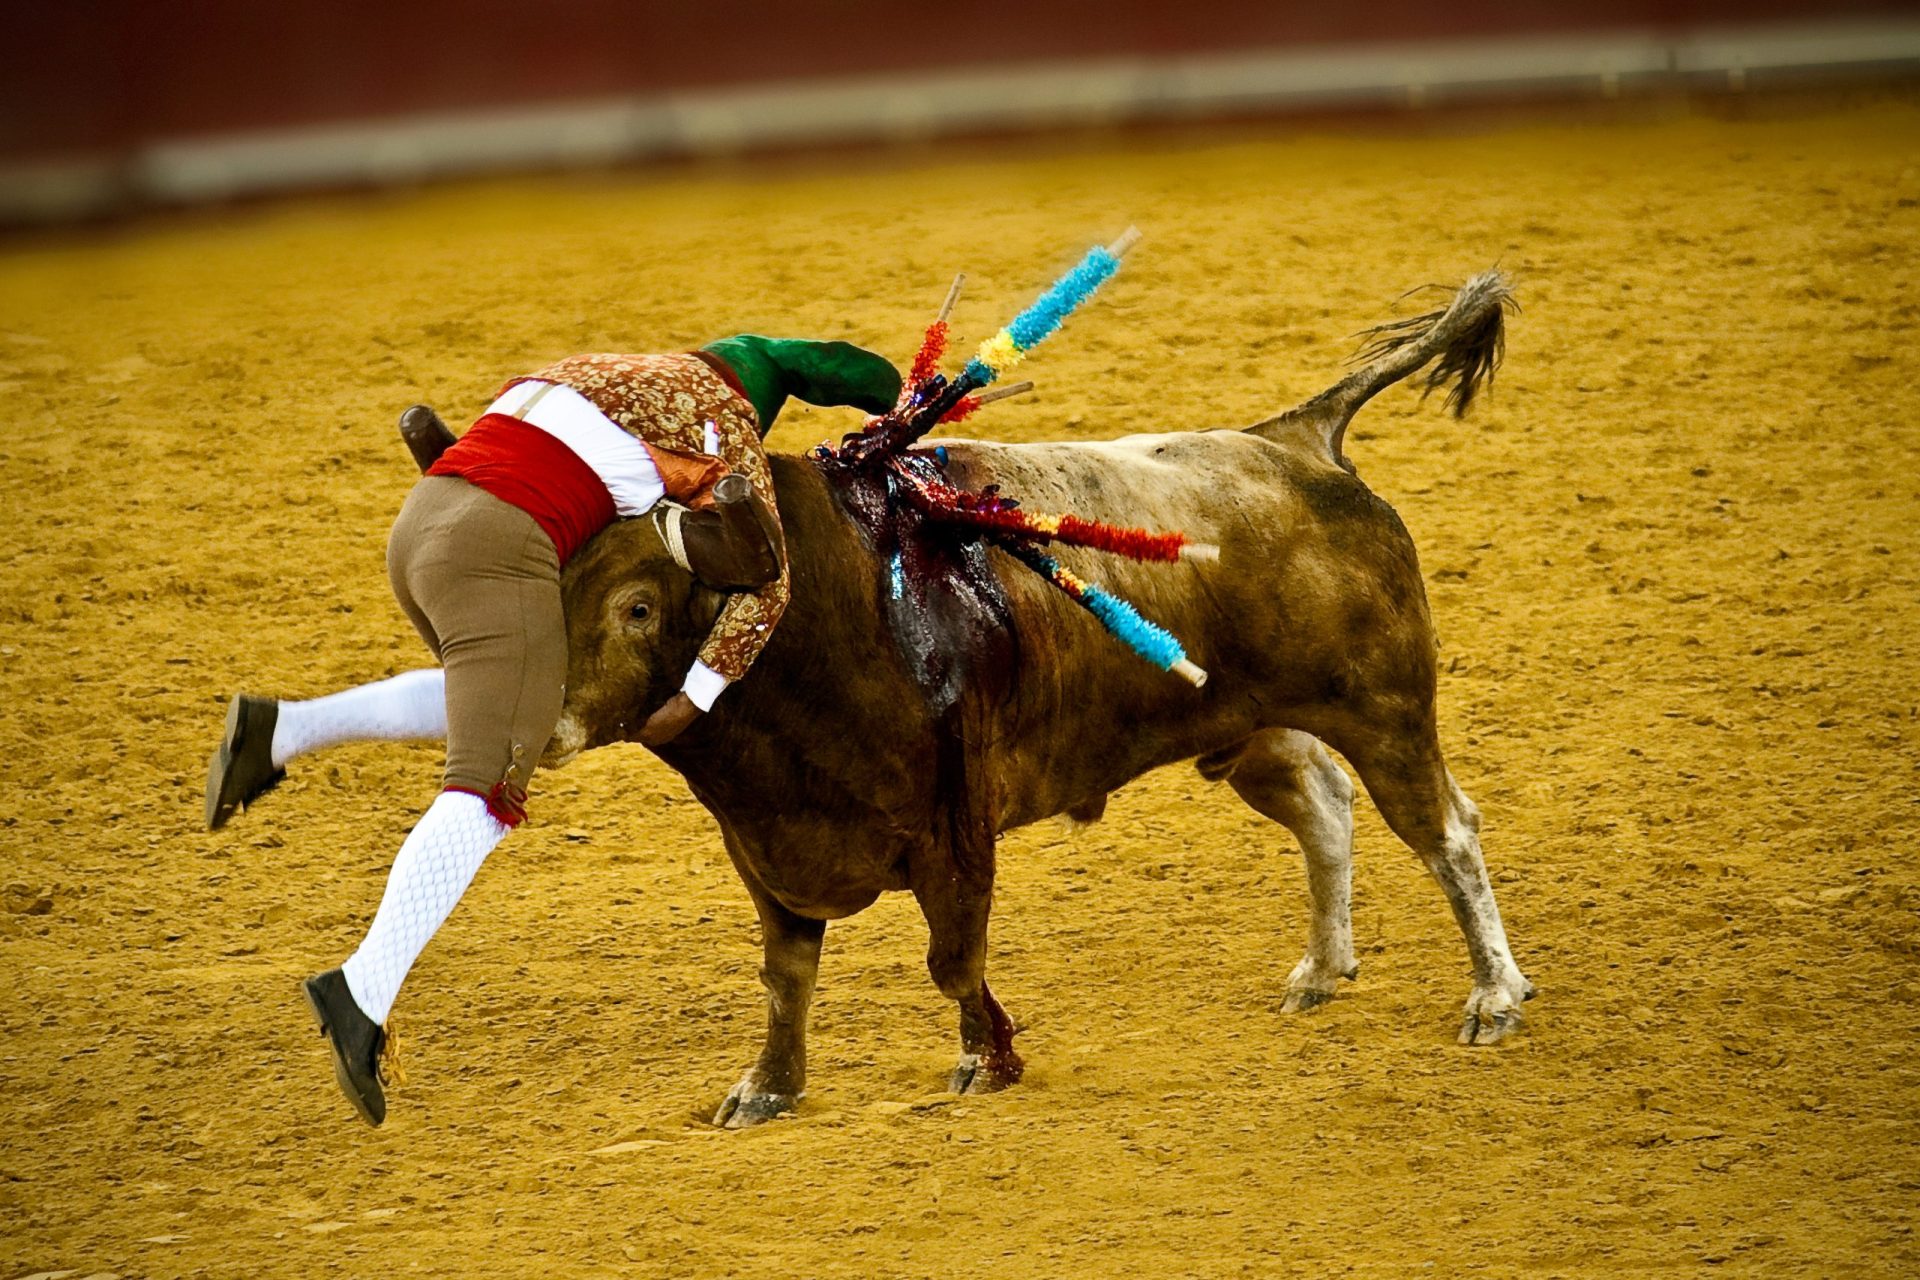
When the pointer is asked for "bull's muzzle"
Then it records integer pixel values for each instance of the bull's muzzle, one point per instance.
(569, 740)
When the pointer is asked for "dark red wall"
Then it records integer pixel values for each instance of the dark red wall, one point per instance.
(94, 76)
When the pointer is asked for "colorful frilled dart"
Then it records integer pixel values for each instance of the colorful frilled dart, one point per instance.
(926, 361)
(927, 397)
(989, 511)
(880, 451)
(1049, 311)
(966, 406)
(1150, 640)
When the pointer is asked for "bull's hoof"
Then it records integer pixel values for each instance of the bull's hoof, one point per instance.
(1312, 984)
(1303, 999)
(1489, 1028)
(747, 1106)
(977, 1073)
(1493, 1014)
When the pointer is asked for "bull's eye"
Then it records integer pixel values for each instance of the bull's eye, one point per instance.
(640, 612)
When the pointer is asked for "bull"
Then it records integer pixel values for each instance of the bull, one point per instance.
(834, 781)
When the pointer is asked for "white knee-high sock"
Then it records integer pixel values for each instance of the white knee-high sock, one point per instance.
(435, 864)
(409, 707)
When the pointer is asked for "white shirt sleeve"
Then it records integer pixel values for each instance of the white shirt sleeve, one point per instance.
(703, 685)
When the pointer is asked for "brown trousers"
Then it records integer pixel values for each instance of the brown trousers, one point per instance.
(481, 583)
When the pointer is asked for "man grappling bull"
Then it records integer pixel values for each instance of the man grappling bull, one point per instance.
(475, 559)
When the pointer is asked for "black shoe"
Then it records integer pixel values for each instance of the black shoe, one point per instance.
(242, 768)
(356, 1041)
(427, 437)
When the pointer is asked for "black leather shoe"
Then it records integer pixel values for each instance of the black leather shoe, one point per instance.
(356, 1041)
(242, 768)
(427, 437)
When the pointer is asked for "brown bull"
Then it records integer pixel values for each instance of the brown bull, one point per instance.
(833, 783)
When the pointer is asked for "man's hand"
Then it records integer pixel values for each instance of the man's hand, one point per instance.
(669, 721)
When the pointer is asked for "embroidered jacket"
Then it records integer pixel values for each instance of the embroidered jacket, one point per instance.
(697, 427)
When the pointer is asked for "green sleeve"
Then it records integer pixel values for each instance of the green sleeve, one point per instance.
(822, 373)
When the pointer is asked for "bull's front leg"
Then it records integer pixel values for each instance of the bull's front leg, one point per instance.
(792, 964)
(956, 902)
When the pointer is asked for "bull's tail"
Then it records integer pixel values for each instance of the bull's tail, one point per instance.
(1462, 343)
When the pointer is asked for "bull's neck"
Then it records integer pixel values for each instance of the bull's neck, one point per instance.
(827, 714)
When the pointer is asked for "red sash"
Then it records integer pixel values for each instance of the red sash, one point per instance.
(524, 466)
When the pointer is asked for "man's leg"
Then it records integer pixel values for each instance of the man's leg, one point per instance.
(436, 863)
(264, 734)
(495, 606)
(409, 707)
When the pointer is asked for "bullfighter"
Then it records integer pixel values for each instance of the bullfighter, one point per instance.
(475, 559)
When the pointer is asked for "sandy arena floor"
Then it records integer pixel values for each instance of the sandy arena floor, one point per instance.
(1672, 564)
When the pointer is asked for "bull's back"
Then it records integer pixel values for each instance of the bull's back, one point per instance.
(1311, 564)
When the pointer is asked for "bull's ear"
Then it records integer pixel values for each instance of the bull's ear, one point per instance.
(734, 545)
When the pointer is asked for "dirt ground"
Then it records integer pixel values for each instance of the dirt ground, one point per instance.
(1672, 566)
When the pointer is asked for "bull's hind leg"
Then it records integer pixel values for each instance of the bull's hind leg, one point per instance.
(1290, 777)
(1402, 768)
(779, 1078)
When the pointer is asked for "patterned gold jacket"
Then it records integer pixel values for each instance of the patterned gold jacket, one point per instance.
(668, 403)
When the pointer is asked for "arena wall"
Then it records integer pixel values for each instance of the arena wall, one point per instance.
(124, 105)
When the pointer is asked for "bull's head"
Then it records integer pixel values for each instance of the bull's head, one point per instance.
(635, 623)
